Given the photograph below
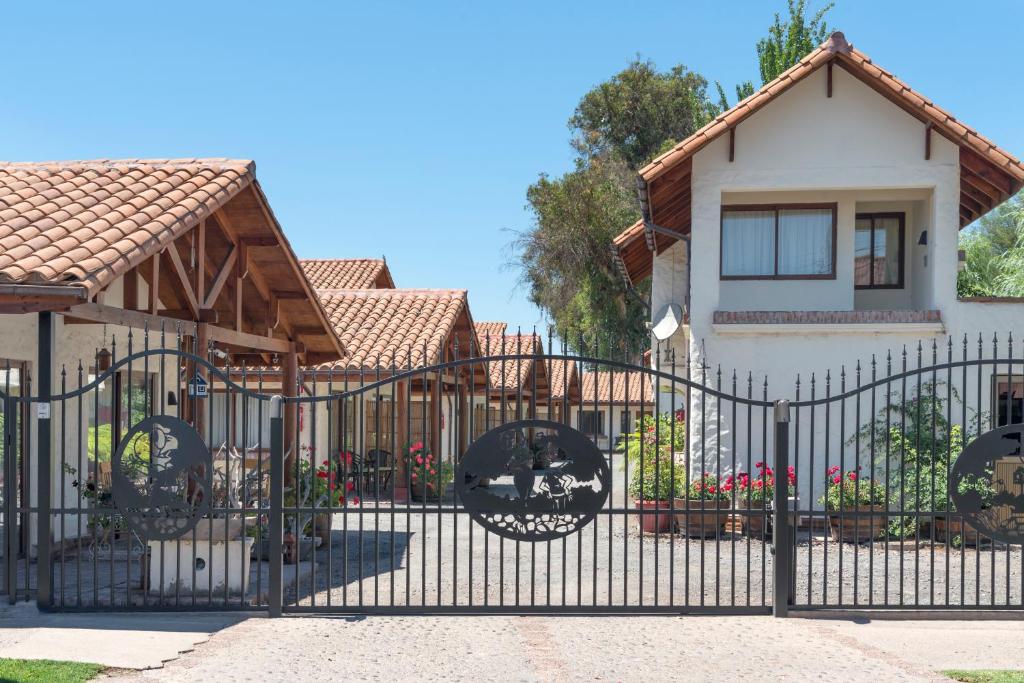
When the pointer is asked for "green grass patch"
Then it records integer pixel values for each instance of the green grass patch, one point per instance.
(32, 670)
(985, 676)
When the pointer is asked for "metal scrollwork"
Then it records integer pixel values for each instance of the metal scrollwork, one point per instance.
(533, 480)
(161, 476)
(986, 487)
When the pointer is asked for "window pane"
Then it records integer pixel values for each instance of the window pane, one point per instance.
(805, 242)
(862, 253)
(748, 243)
(887, 251)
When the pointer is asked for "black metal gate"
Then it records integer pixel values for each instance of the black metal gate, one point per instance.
(516, 482)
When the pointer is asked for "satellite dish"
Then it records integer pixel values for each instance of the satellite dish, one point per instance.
(667, 321)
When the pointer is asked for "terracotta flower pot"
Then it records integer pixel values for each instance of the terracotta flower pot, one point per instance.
(757, 519)
(653, 521)
(856, 528)
(322, 526)
(701, 519)
(948, 528)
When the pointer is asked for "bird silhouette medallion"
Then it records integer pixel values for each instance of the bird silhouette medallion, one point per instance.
(162, 478)
(533, 480)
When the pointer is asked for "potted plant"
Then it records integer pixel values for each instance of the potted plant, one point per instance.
(700, 513)
(428, 476)
(754, 495)
(317, 487)
(656, 477)
(847, 492)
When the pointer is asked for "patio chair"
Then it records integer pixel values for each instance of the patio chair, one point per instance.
(380, 465)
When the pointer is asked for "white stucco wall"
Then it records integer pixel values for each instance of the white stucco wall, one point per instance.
(862, 152)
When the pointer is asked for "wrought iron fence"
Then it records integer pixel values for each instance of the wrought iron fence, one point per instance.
(516, 482)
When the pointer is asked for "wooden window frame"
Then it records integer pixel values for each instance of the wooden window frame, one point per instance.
(872, 215)
(999, 404)
(600, 417)
(830, 206)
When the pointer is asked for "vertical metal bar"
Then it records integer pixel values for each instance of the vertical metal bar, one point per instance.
(781, 534)
(44, 372)
(276, 581)
(10, 493)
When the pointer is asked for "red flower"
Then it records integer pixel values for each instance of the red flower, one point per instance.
(759, 465)
(836, 479)
(832, 470)
(350, 485)
(355, 500)
(322, 475)
(852, 476)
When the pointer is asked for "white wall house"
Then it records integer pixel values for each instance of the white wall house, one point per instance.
(104, 258)
(814, 226)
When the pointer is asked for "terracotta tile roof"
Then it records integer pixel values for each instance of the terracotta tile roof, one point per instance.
(564, 379)
(407, 327)
(511, 374)
(87, 222)
(860, 65)
(348, 273)
(615, 386)
(997, 173)
(489, 334)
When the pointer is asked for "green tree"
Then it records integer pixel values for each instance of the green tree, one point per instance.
(565, 258)
(994, 248)
(634, 113)
(786, 44)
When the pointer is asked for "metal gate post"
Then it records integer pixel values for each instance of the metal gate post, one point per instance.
(44, 380)
(10, 511)
(276, 599)
(781, 535)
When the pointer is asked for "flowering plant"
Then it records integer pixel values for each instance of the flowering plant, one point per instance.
(846, 490)
(710, 487)
(319, 486)
(428, 475)
(650, 451)
(760, 488)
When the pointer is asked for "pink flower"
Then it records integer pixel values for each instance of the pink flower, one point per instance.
(832, 470)
(836, 479)
(852, 476)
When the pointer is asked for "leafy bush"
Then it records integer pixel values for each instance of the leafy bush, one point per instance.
(429, 477)
(650, 452)
(709, 487)
(847, 490)
(760, 488)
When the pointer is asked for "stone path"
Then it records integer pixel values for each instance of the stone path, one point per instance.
(594, 648)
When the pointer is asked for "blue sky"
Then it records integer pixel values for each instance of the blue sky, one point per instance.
(413, 129)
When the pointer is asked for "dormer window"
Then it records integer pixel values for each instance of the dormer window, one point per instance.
(778, 242)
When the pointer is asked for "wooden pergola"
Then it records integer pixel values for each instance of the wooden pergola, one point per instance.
(194, 245)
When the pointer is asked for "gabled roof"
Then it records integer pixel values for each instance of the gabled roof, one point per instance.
(989, 174)
(564, 380)
(84, 223)
(514, 374)
(348, 273)
(617, 387)
(74, 227)
(401, 327)
(489, 335)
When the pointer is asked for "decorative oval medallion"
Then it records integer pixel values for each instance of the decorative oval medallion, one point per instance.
(162, 478)
(533, 480)
(986, 484)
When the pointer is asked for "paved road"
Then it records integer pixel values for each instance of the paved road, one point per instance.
(594, 648)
